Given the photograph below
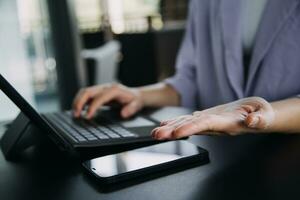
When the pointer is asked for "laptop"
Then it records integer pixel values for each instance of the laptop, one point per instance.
(106, 129)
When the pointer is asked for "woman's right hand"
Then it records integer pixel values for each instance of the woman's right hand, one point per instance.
(96, 96)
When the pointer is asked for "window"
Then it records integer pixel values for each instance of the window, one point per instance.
(122, 15)
(89, 14)
(26, 55)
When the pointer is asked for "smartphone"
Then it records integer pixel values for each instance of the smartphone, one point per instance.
(147, 160)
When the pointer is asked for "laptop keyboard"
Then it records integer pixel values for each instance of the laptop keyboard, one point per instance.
(86, 130)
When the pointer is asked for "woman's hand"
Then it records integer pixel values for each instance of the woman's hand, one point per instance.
(131, 99)
(97, 96)
(246, 115)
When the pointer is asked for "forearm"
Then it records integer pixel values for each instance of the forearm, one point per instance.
(158, 95)
(287, 116)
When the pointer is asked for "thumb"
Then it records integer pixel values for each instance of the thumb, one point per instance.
(257, 120)
(130, 109)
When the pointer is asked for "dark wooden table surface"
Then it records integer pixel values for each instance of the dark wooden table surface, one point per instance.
(243, 167)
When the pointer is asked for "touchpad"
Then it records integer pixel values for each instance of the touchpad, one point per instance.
(137, 122)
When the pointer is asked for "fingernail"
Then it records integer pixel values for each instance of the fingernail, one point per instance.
(153, 133)
(88, 116)
(125, 115)
(254, 122)
(160, 138)
(156, 136)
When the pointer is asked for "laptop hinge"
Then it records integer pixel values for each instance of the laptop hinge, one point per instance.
(19, 136)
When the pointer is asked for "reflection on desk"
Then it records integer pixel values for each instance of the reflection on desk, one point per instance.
(242, 167)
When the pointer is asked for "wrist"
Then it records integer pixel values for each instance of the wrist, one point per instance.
(142, 97)
(273, 123)
(157, 95)
(286, 115)
(139, 96)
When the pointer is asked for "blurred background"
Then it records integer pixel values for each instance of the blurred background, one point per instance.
(51, 48)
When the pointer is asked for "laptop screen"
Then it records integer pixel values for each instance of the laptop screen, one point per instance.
(21, 103)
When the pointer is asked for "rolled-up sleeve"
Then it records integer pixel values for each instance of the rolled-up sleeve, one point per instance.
(184, 80)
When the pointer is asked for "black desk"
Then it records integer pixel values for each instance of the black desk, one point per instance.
(244, 167)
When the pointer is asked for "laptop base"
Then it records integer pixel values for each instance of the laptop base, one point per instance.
(22, 134)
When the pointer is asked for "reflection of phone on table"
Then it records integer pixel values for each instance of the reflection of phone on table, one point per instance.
(147, 160)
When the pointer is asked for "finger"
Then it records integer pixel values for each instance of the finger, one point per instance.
(153, 132)
(165, 132)
(262, 118)
(130, 109)
(76, 105)
(249, 108)
(162, 123)
(80, 100)
(191, 127)
(177, 121)
(256, 120)
(174, 120)
(98, 101)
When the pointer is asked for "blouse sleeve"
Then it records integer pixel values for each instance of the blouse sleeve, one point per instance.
(184, 80)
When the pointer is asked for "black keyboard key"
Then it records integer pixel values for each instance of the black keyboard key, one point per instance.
(92, 139)
(113, 135)
(102, 136)
(83, 130)
(122, 131)
(64, 126)
(127, 134)
(80, 138)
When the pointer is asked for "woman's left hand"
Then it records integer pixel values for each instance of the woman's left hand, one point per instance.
(246, 115)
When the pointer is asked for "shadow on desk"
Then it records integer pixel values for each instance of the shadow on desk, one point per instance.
(243, 167)
(45, 160)
(269, 168)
